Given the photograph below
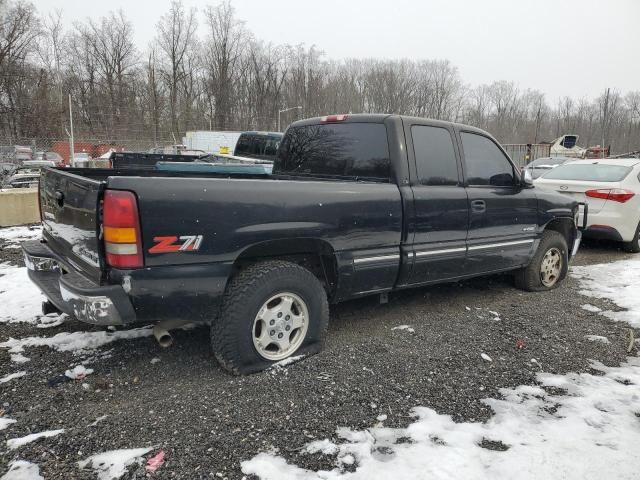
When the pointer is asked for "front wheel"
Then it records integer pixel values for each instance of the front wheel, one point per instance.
(548, 267)
(271, 311)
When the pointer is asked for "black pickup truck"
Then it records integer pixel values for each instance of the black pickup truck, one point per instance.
(356, 205)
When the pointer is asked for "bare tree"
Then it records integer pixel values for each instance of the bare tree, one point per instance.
(176, 36)
(226, 42)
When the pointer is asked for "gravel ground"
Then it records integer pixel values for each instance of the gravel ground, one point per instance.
(208, 421)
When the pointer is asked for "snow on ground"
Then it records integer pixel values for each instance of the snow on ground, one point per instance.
(78, 372)
(5, 422)
(591, 432)
(113, 464)
(408, 328)
(51, 320)
(11, 376)
(19, 358)
(20, 299)
(22, 470)
(616, 281)
(77, 342)
(597, 338)
(15, 235)
(14, 443)
(591, 308)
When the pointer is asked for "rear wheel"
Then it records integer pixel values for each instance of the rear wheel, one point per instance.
(548, 267)
(270, 311)
(634, 245)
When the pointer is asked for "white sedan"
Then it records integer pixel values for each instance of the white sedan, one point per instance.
(611, 188)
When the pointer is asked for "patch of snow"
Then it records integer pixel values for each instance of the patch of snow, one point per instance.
(14, 443)
(78, 372)
(408, 328)
(20, 234)
(347, 459)
(324, 446)
(286, 361)
(590, 308)
(381, 418)
(616, 281)
(20, 298)
(22, 470)
(486, 357)
(154, 360)
(113, 464)
(589, 433)
(5, 422)
(11, 376)
(51, 320)
(98, 420)
(19, 358)
(78, 342)
(597, 338)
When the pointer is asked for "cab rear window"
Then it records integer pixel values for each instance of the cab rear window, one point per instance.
(335, 150)
(589, 172)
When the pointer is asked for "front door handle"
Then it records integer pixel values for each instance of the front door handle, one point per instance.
(478, 206)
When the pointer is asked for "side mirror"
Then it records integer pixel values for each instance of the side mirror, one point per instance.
(527, 178)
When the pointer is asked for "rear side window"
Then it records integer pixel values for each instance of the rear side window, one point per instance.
(589, 172)
(344, 149)
(244, 145)
(435, 157)
(485, 164)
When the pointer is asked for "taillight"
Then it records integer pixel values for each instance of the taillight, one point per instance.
(617, 194)
(333, 118)
(121, 229)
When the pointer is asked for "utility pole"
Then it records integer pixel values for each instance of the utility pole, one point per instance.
(71, 143)
(604, 116)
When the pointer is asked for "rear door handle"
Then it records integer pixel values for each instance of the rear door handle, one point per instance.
(478, 206)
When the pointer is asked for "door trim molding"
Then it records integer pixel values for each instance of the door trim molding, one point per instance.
(501, 244)
(425, 253)
(377, 258)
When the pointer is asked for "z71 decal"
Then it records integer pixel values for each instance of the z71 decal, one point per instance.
(184, 243)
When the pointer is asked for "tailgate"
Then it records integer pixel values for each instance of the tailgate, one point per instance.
(70, 218)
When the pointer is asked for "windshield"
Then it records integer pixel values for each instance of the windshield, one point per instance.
(593, 172)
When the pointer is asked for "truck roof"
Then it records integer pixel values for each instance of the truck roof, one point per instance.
(381, 117)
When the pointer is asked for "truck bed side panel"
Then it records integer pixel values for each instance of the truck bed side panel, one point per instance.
(234, 214)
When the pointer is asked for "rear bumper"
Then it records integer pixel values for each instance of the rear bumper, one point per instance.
(73, 293)
(603, 232)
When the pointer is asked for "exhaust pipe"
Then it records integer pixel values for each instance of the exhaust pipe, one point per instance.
(161, 331)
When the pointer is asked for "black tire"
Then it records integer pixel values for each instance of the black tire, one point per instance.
(634, 245)
(530, 278)
(232, 332)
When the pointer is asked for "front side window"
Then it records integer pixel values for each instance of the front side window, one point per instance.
(485, 164)
(435, 157)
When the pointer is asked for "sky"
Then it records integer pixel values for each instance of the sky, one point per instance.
(573, 48)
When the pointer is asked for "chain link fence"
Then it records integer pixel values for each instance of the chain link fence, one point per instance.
(18, 149)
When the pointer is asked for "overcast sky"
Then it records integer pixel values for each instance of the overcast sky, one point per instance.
(560, 47)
